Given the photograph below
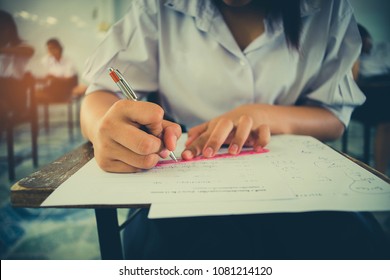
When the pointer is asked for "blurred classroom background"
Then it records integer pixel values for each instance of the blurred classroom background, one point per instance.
(80, 25)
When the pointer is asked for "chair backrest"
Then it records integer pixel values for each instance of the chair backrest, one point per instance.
(17, 96)
(61, 89)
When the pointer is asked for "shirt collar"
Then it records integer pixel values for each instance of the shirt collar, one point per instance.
(309, 7)
(52, 60)
(202, 10)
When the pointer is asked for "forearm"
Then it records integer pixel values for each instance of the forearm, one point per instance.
(302, 120)
(93, 108)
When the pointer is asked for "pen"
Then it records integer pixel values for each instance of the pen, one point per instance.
(128, 92)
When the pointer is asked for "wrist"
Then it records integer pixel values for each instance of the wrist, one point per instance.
(273, 116)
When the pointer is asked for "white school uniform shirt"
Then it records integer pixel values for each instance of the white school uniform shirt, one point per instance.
(64, 68)
(13, 66)
(185, 51)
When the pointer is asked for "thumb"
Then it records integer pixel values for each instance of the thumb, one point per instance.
(195, 132)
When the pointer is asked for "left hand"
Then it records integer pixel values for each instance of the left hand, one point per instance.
(243, 126)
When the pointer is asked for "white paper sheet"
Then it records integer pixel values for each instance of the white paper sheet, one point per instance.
(363, 203)
(221, 179)
(299, 173)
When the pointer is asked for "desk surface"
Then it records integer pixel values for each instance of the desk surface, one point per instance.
(35, 188)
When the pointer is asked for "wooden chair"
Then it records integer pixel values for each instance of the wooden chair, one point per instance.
(19, 104)
(375, 111)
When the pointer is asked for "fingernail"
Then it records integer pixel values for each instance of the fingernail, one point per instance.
(258, 149)
(208, 152)
(233, 149)
(164, 153)
(187, 154)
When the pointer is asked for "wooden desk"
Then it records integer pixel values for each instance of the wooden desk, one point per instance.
(34, 189)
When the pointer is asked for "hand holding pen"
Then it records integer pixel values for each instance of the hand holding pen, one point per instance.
(128, 92)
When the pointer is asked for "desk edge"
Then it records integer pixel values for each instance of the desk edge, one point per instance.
(32, 190)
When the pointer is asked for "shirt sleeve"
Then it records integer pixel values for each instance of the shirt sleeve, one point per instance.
(333, 87)
(131, 47)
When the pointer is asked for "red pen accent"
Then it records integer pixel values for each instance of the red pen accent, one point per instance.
(128, 92)
(114, 76)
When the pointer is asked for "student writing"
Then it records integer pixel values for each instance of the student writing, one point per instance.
(232, 72)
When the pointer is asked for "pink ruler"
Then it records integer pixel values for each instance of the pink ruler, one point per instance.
(218, 156)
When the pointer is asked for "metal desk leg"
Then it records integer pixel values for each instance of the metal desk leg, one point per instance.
(109, 234)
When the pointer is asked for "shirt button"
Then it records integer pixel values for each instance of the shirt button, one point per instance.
(242, 62)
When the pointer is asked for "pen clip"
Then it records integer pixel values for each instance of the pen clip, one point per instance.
(126, 85)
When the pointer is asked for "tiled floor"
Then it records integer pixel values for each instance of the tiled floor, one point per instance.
(69, 233)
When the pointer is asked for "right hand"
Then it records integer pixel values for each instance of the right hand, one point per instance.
(122, 145)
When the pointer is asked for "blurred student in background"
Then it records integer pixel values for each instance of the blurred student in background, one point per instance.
(374, 58)
(14, 57)
(60, 74)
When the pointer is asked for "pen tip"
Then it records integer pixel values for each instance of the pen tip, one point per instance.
(172, 156)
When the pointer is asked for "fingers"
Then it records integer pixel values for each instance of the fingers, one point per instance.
(217, 137)
(195, 132)
(145, 114)
(243, 131)
(172, 132)
(151, 116)
(263, 136)
(117, 166)
(122, 128)
(121, 146)
(112, 156)
(116, 158)
(197, 137)
(208, 139)
(137, 140)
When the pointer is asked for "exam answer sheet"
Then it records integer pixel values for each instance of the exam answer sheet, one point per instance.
(297, 173)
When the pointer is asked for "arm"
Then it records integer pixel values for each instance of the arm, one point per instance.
(355, 70)
(254, 123)
(114, 126)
